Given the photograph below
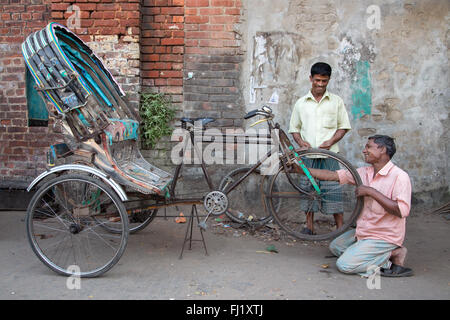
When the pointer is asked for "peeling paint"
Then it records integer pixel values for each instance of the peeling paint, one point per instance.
(361, 90)
(393, 79)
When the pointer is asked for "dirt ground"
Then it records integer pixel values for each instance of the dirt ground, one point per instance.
(238, 267)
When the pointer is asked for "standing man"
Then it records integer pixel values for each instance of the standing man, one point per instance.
(319, 120)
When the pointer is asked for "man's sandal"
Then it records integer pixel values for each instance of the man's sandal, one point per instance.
(396, 271)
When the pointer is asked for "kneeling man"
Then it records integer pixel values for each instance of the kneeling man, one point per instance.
(378, 238)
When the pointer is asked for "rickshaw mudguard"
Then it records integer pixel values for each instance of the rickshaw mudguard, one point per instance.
(78, 167)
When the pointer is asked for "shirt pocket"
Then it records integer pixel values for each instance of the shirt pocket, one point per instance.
(329, 121)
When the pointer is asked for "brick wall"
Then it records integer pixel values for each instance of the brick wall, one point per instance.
(182, 36)
(148, 44)
(162, 58)
(192, 36)
(112, 29)
(162, 47)
(212, 54)
(21, 147)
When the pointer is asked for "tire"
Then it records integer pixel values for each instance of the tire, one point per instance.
(297, 196)
(65, 220)
(246, 202)
(139, 221)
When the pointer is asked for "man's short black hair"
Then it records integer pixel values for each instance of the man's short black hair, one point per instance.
(385, 141)
(321, 68)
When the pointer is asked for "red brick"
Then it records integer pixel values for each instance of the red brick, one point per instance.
(177, 49)
(150, 10)
(153, 57)
(191, 43)
(178, 19)
(59, 6)
(172, 10)
(191, 11)
(18, 143)
(198, 35)
(156, 66)
(172, 90)
(224, 19)
(196, 19)
(16, 129)
(106, 23)
(172, 42)
(210, 11)
(57, 15)
(210, 43)
(222, 3)
(147, 49)
(233, 11)
(13, 8)
(175, 82)
(133, 15)
(150, 74)
(162, 49)
(160, 82)
(211, 27)
(129, 6)
(108, 7)
(172, 26)
(197, 3)
(171, 74)
(171, 57)
(150, 41)
(37, 8)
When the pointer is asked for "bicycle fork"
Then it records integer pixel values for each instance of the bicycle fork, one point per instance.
(305, 170)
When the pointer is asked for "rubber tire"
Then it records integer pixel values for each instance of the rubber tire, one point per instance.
(121, 208)
(239, 172)
(347, 224)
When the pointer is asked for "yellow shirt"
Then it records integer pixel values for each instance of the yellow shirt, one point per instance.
(318, 121)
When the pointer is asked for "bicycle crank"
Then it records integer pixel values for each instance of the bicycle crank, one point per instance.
(215, 203)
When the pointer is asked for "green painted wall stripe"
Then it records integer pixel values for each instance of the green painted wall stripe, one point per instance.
(361, 90)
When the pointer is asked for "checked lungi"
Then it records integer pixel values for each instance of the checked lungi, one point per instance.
(331, 200)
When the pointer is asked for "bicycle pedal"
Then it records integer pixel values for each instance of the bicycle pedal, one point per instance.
(203, 225)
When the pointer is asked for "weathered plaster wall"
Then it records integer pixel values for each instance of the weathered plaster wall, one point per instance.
(393, 76)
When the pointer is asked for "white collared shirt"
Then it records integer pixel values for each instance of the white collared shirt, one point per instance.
(318, 121)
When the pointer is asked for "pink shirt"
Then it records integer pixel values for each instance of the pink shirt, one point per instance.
(374, 222)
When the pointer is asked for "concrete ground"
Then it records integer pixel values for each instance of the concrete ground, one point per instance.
(238, 267)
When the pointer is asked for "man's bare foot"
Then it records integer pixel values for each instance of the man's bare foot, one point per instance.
(398, 256)
(339, 219)
(310, 221)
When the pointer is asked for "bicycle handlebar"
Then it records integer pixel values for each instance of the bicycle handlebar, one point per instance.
(251, 114)
(264, 111)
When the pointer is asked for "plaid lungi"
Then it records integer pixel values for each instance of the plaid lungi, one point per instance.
(331, 201)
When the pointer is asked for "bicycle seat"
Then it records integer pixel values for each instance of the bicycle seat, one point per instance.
(204, 121)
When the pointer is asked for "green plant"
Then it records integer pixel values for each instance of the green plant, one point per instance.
(156, 112)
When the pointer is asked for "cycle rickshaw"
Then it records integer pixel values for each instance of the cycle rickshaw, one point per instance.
(98, 188)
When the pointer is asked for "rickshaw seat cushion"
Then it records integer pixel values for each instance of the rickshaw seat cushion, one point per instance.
(121, 130)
